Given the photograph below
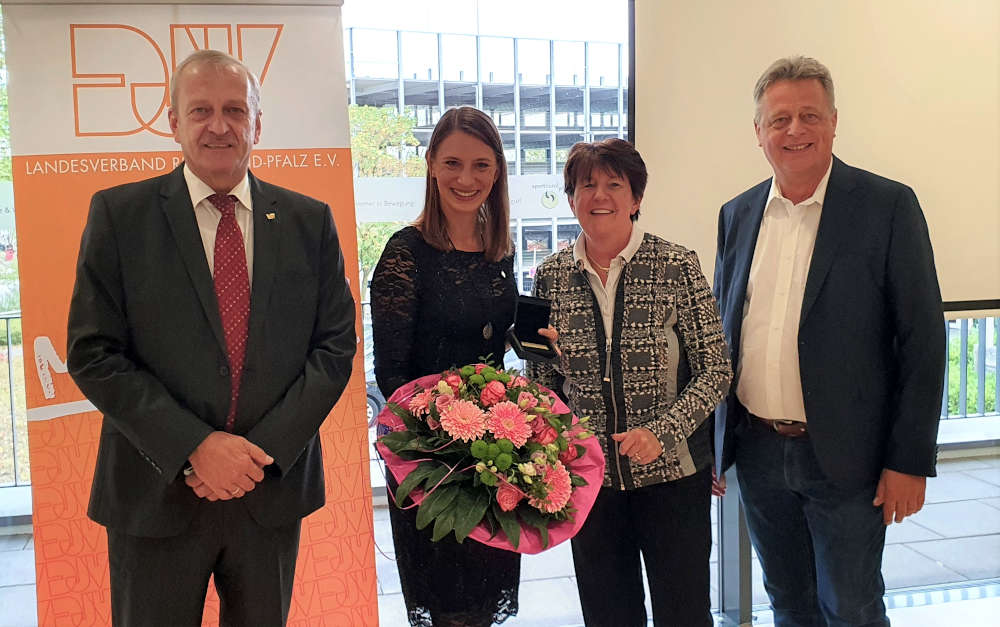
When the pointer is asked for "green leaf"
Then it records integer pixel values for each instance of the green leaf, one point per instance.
(435, 503)
(412, 424)
(396, 440)
(533, 517)
(434, 477)
(469, 511)
(412, 480)
(577, 481)
(444, 524)
(490, 520)
(508, 522)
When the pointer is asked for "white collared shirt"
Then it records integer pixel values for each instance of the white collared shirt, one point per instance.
(208, 216)
(769, 383)
(605, 292)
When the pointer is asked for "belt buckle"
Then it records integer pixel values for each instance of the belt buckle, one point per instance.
(777, 424)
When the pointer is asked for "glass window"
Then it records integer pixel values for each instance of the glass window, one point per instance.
(376, 93)
(565, 141)
(569, 63)
(374, 53)
(533, 61)
(497, 59)
(509, 151)
(420, 56)
(458, 57)
(568, 231)
(603, 108)
(420, 100)
(535, 245)
(534, 107)
(457, 94)
(498, 103)
(602, 66)
(569, 107)
(535, 153)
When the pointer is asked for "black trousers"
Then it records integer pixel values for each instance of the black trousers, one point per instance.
(163, 581)
(670, 524)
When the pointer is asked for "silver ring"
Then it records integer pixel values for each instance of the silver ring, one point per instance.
(237, 492)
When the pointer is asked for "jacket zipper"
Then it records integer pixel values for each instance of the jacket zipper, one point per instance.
(614, 404)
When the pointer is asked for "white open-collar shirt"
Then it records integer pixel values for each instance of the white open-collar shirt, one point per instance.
(769, 383)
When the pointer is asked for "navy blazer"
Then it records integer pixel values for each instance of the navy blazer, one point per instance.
(146, 347)
(872, 343)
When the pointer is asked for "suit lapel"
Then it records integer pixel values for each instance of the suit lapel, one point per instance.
(744, 244)
(266, 252)
(175, 199)
(834, 227)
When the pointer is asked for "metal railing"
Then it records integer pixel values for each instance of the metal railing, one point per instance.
(13, 429)
(972, 384)
(972, 349)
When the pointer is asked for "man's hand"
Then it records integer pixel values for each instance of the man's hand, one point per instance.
(639, 444)
(718, 484)
(899, 494)
(229, 464)
(202, 491)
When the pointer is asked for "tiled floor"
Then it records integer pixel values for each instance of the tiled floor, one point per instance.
(956, 538)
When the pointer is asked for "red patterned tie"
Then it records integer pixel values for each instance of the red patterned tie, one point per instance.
(232, 290)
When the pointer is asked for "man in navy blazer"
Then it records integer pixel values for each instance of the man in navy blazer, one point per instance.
(209, 456)
(830, 303)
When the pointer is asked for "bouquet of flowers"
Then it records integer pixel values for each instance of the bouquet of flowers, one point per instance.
(485, 453)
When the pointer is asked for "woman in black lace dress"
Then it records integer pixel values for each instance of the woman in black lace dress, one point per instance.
(443, 295)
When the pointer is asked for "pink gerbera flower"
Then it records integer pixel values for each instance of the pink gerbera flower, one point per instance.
(506, 420)
(418, 402)
(463, 420)
(558, 489)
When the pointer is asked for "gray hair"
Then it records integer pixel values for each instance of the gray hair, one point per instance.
(797, 68)
(218, 60)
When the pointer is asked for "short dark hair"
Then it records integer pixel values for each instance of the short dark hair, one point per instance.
(614, 156)
(494, 215)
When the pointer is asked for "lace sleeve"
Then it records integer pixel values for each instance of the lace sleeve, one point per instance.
(394, 312)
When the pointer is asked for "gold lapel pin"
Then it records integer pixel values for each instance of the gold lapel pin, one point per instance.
(269, 216)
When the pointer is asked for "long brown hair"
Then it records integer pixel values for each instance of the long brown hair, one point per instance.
(494, 215)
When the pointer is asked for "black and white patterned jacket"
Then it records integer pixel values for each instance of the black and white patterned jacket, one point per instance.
(665, 367)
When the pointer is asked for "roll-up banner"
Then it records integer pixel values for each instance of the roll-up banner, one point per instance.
(88, 97)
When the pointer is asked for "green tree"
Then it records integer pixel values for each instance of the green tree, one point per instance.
(383, 143)
(372, 237)
(5, 167)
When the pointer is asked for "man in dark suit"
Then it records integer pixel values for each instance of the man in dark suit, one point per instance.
(212, 325)
(830, 303)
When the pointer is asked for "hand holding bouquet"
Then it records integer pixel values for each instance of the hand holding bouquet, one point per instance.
(489, 455)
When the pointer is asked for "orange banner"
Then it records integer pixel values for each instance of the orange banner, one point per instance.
(87, 102)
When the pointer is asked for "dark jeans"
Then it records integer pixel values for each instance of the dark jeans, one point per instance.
(671, 525)
(162, 581)
(820, 545)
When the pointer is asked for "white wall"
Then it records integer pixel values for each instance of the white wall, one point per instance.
(918, 95)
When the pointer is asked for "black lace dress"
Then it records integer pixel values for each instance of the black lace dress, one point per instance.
(432, 310)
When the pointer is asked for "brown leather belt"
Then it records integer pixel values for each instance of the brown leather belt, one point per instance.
(787, 428)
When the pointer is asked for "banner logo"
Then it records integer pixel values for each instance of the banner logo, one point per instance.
(122, 75)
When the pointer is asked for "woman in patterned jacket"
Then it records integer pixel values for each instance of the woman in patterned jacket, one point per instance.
(643, 355)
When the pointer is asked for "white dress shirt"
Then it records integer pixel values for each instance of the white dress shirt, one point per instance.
(769, 383)
(208, 216)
